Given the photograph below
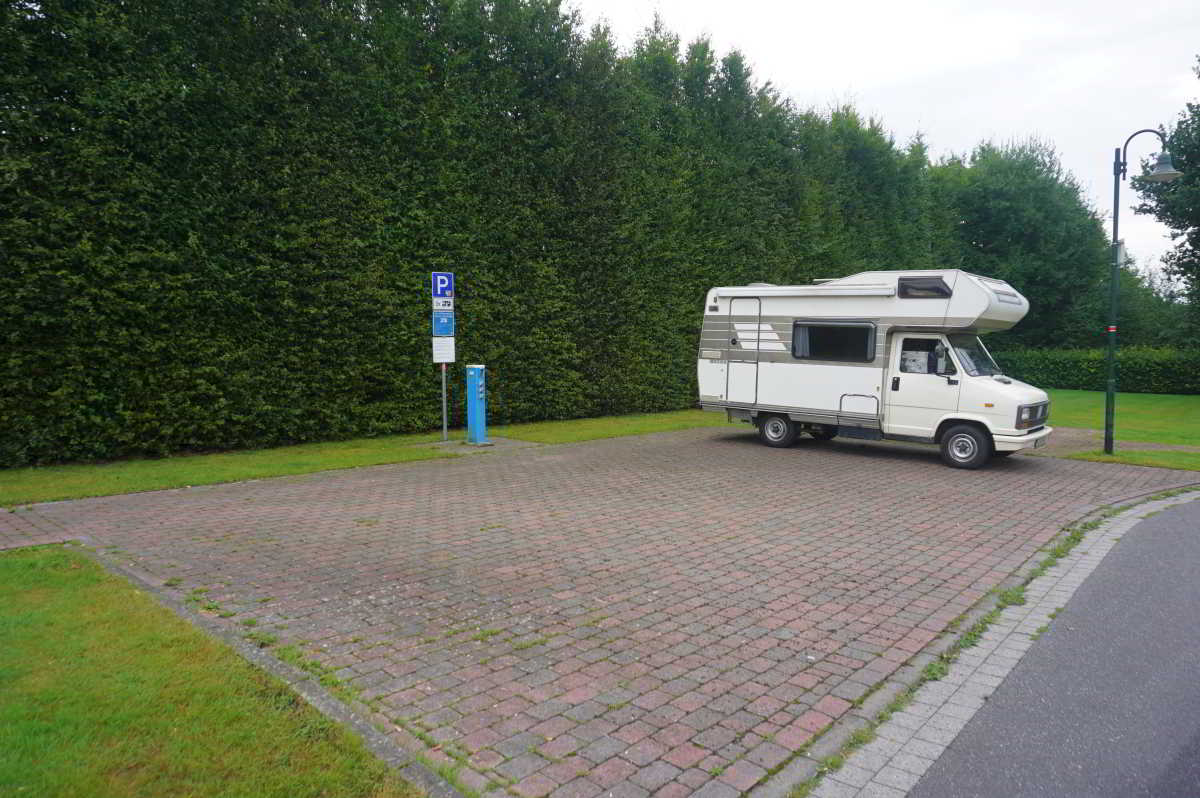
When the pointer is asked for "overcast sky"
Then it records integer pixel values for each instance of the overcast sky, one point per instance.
(1081, 74)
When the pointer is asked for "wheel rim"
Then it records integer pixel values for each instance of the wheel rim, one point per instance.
(775, 429)
(963, 447)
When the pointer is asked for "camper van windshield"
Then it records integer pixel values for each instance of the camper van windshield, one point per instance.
(974, 357)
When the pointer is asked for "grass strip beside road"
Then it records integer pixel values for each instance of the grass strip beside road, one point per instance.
(1158, 458)
(1153, 418)
(20, 486)
(105, 692)
(51, 483)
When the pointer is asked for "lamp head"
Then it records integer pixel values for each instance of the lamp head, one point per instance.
(1164, 170)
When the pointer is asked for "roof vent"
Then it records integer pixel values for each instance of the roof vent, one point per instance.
(761, 285)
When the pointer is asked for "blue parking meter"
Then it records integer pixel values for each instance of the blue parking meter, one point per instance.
(477, 405)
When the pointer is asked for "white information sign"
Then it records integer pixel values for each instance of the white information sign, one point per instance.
(443, 349)
(443, 303)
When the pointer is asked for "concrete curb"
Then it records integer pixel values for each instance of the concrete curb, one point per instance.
(912, 739)
(807, 765)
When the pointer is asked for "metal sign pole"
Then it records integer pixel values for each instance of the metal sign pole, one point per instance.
(442, 284)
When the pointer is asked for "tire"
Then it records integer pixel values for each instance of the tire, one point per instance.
(965, 446)
(823, 433)
(777, 431)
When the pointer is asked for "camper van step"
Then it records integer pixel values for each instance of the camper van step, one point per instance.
(859, 432)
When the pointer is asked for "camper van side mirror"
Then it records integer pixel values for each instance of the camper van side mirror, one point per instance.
(945, 366)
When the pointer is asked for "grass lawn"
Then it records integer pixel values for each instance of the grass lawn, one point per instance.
(103, 692)
(1157, 418)
(50, 483)
(1153, 418)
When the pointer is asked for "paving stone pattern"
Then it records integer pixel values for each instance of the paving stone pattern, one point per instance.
(672, 614)
(913, 739)
(22, 526)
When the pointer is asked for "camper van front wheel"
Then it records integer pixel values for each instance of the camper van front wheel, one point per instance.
(964, 446)
(777, 431)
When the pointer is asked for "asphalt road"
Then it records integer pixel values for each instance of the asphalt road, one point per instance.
(1107, 702)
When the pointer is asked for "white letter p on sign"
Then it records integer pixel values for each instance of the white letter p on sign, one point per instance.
(443, 284)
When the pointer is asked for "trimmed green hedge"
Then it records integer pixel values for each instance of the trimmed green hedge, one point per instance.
(218, 220)
(1139, 369)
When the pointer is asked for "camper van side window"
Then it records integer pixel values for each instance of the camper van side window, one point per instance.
(923, 288)
(851, 342)
(925, 356)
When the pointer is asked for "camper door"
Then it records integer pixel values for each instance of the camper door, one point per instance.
(744, 319)
(923, 385)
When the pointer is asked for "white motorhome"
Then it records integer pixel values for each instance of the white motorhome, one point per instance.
(887, 355)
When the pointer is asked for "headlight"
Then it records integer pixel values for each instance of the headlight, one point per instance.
(1032, 415)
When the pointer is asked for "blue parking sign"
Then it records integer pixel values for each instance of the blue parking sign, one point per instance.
(443, 322)
(443, 284)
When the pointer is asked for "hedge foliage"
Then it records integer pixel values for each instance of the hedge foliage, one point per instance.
(1140, 369)
(217, 220)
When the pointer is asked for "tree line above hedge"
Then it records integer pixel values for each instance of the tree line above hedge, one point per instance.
(217, 220)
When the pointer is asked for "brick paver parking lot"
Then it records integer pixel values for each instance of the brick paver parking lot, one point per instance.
(671, 614)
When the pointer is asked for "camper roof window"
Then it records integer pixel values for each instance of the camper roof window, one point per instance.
(923, 288)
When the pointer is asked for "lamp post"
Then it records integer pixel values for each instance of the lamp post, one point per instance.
(1164, 171)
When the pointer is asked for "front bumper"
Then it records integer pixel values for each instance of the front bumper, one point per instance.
(1015, 443)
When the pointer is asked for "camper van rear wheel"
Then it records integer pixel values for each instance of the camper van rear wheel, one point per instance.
(777, 431)
(964, 446)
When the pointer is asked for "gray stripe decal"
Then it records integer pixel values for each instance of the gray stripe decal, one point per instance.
(721, 321)
(747, 356)
(716, 336)
(811, 415)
